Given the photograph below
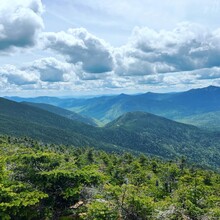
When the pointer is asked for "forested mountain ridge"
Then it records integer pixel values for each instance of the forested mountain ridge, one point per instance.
(136, 131)
(170, 105)
(63, 112)
(209, 121)
(19, 119)
(160, 136)
(57, 182)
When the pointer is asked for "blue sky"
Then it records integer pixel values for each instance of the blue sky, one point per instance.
(74, 47)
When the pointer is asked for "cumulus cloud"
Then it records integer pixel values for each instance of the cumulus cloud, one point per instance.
(13, 75)
(187, 47)
(205, 76)
(156, 79)
(188, 54)
(127, 65)
(130, 62)
(211, 73)
(51, 70)
(81, 47)
(20, 23)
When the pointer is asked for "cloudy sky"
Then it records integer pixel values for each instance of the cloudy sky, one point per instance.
(74, 47)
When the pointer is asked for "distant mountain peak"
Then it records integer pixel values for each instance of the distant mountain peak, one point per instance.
(211, 87)
(207, 89)
(123, 95)
(137, 119)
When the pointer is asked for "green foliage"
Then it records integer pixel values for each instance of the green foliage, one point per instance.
(40, 181)
(17, 198)
(101, 210)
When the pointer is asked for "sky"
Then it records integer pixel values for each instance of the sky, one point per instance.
(94, 47)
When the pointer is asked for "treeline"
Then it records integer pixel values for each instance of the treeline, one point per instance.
(40, 181)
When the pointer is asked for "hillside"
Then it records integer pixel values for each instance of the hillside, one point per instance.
(209, 121)
(136, 132)
(160, 136)
(42, 99)
(19, 119)
(63, 112)
(32, 114)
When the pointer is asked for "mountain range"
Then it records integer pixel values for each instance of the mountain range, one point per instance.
(175, 106)
(137, 131)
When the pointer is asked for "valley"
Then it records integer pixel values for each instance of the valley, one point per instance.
(132, 131)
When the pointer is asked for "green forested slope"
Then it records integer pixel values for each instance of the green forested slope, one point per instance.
(63, 112)
(36, 115)
(160, 136)
(209, 121)
(137, 131)
(22, 120)
(58, 182)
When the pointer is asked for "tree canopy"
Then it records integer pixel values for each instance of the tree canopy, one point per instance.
(40, 181)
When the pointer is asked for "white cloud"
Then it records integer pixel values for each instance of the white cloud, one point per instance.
(20, 23)
(151, 80)
(79, 46)
(211, 73)
(188, 54)
(188, 47)
(13, 75)
(51, 70)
